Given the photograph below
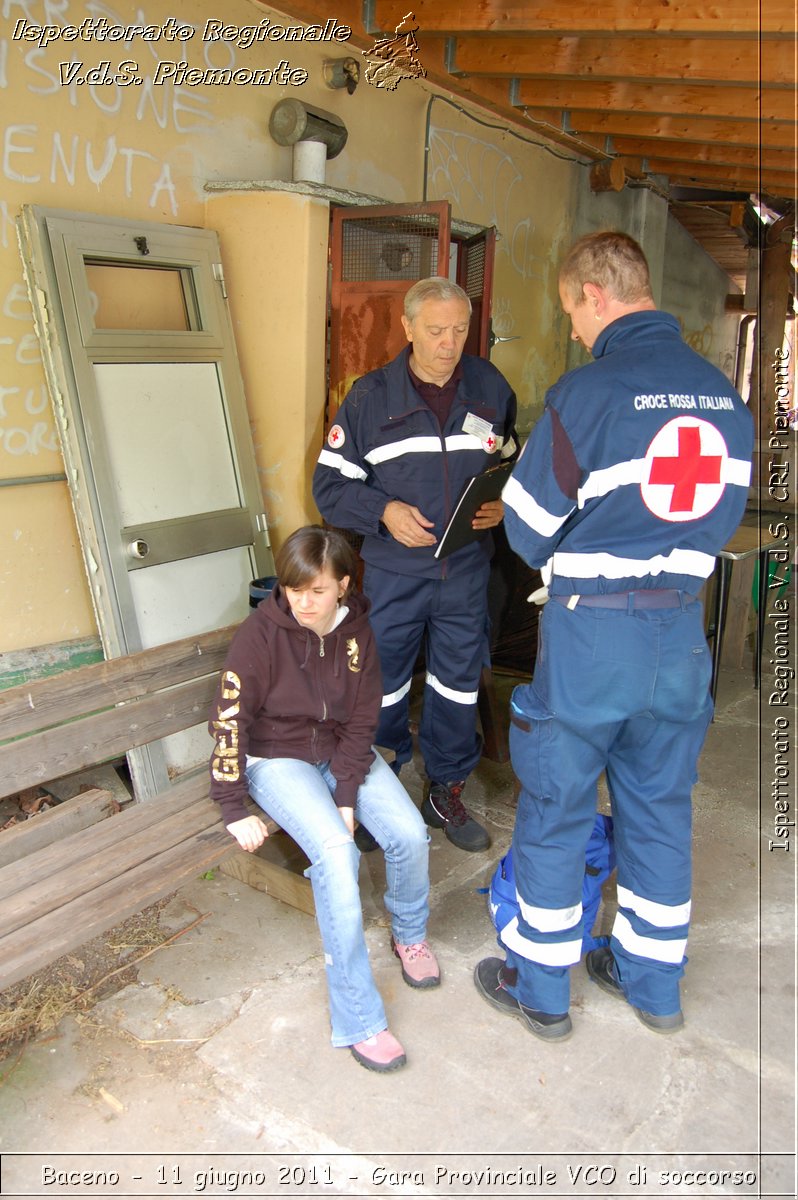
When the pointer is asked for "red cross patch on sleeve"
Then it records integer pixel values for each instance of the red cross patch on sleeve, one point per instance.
(683, 475)
(336, 437)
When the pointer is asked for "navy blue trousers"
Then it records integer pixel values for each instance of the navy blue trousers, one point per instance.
(448, 617)
(626, 692)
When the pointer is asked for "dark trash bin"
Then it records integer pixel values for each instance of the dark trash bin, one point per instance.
(260, 589)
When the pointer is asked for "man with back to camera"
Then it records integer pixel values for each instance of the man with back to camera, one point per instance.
(405, 442)
(634, 478)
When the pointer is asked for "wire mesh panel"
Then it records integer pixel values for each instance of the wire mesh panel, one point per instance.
(473, 278)
(386, 248)
(375, 254)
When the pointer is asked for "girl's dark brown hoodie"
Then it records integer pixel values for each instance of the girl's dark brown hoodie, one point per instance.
(285, 692)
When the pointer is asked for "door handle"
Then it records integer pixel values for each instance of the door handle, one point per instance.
(493, 338)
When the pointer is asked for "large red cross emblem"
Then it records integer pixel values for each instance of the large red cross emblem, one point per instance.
(687, 469)
(684, 479)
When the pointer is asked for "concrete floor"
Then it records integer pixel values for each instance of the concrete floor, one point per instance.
(218, 1058)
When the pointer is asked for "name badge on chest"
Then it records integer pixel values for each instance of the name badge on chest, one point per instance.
(479, 428)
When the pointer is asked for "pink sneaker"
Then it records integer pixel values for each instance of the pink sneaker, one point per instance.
(419, 965)
(381, 1052)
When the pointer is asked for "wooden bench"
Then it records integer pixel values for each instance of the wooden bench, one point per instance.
(83, 866)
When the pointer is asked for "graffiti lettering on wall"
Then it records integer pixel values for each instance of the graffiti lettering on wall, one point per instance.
(64, 159)
(699, 339)
(19, 402)
(479, 176)
(73, 128)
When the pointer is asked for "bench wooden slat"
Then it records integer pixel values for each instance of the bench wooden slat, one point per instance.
(75, 871)
(69, 926)
(59, 698)
(136, 847)
(70, 816)
(97, 738)
(74, 848)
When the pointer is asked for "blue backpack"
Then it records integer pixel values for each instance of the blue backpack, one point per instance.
(599, 865)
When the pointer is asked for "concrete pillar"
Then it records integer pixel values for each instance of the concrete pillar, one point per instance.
(274, 251)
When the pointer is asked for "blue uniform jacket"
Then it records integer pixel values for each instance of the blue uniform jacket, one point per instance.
(386, 444)
(637, 473)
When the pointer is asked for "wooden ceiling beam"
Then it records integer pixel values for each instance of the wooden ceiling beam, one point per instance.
(701, 130)
(708, 152)
(493, 96)
(724, 177)
(611, 16)
(769, 104)
(640, 59)
(316, 12)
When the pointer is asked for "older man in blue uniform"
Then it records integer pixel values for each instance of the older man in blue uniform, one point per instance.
(406, 441)
(631, 482)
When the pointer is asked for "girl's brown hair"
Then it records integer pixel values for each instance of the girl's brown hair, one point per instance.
(309, 551)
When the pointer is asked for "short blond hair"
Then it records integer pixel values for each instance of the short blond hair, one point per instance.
(611, 260)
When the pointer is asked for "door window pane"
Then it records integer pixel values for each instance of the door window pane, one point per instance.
(126, 297)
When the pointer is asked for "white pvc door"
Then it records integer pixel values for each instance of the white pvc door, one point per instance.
(155, 431)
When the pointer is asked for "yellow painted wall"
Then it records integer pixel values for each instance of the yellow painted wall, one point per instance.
(526, 187)
(146, 151)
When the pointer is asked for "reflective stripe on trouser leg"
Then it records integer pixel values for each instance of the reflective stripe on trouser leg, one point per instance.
(393, 729)
(644, 673)
(456, 650)
(555, 815)
(649, 936)
(398, 622)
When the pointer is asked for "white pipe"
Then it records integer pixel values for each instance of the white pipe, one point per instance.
(310, 160)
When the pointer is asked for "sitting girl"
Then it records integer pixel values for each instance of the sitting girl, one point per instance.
(293, 722)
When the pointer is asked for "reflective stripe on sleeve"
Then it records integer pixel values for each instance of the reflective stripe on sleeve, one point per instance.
(530, 512)
(339, 463)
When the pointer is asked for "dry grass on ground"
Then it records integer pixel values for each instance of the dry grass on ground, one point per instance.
(76, 981)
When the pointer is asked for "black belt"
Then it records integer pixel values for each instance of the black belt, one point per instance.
(646, 598)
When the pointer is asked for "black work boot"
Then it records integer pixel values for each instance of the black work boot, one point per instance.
(601, 968)
(491, 977)
(443, 809)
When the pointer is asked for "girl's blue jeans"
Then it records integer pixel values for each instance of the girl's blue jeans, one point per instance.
(299, 796)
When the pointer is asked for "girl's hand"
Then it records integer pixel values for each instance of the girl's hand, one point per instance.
(250, 832)
(348, 818)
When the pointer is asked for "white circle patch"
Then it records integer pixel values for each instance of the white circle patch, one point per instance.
(683, 475)
(336, 437)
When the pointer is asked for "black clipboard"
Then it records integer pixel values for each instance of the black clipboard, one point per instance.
(487, 486)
